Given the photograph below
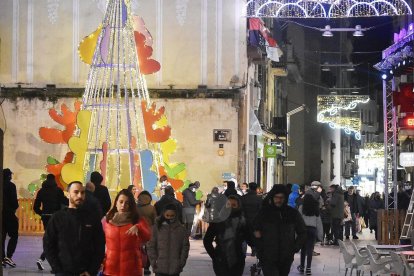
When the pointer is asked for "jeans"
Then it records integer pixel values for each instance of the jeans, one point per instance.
(337, 229)
(307, 249)
(277, 268)
(11, 229)
(352, 225)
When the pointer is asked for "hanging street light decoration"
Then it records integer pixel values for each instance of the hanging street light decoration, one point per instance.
(332, 109)
(326, 8)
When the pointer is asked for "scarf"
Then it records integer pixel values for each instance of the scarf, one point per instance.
(121, 219)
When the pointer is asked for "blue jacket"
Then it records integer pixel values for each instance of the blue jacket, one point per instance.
(293, 195)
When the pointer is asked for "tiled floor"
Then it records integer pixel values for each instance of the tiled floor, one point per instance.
(329, 263)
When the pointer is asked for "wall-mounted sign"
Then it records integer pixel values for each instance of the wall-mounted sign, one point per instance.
(407, 122)
(270, 151)
(228, 176)
(407, 159)
(222, 135)
(289, 163)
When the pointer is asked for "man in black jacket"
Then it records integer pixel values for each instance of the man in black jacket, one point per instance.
(49, 200)
(251, 204)
(189, 206)
(101, 192)
(167, 199)
(10, 221)
(352, 200)
(280, 233)
(74, 241)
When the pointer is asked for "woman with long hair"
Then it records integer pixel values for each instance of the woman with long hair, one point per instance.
(125, 232)
(169, 246)
(314, 230)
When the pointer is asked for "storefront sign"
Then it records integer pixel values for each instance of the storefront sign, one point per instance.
(222, 135)
(270, 151)
(228, 176)
(407, 159)
(289, 163)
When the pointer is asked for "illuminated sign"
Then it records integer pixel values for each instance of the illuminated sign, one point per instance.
(407, 122)
(407, 159)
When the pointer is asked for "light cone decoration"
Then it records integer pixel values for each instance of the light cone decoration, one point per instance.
(117, 131)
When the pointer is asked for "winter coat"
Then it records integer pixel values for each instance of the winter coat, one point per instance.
(74, 241)
(293, 195)
(102, 195)
(189, 201)
(283, 231)
(251, 204)
(146, 210)
(50, 197)
(230, 191)
(214, 204)
(164, 201)
(336, 204)
(168, 248)
(228, 236)
(326, 215)
(92, 203)
(353, 202)
(403, 199)
(374, 206)
(313, 221)
(10, 202)
(123, 252)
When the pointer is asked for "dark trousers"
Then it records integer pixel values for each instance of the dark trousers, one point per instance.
(307, 249)
(222, 268)
(11, 229)
(281, 268)
(351, 225)
(45, 220)
(327, 230)
(337, 229)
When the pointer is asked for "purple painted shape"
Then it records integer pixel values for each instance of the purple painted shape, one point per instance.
(124, 13)
(104, 47)
(396, 37)
(402, 34)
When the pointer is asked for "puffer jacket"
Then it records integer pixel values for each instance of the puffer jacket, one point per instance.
(168, 248)
(293, 195)
(123, 252)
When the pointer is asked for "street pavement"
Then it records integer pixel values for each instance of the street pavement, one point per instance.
(330, 261)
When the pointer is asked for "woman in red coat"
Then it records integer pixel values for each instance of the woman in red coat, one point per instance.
(125, 232)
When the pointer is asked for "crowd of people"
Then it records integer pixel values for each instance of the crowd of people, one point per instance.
(85, 234)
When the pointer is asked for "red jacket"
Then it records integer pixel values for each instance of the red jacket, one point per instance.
(123, 252)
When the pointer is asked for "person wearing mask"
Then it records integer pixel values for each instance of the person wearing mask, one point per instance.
(125, 233)
(10, 225)
(352, 200)
(90, 200)
(74, 241)
(49, 199)
(134, 192)
(336, 208)
(242, 190)
(163, 184)
(228, 256)
(189, 206)
(169, 198)
(214, 203)
(251, 203)
(231, 189)
(293, 196)
(169, 246)
(280, 232)
(375, 204)
(101, 192)
(314, 231)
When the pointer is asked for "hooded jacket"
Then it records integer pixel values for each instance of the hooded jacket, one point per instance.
(168, 248)
(251, 203)
(166, 200)
(123, 251)
(145, 209)
(101, 192)
(50, 197)
(74, 241)
(293, 195)
(10, 202)
(282, 229)
(229, 236)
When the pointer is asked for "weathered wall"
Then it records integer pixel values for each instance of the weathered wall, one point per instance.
(196, 41)
(192, 122)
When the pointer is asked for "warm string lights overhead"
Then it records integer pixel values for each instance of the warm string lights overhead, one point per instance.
(332, 107)
(326, 8)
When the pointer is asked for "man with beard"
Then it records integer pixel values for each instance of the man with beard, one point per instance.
(280, 233)
(74, 241)
(229, 234)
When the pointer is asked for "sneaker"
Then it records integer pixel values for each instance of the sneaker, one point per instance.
(40, 264)
(355, 238)
(308, 271)
(9, 262)
(301, 269)
(147, 272)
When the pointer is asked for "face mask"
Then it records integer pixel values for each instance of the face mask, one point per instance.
(169, 221)
(193, 189)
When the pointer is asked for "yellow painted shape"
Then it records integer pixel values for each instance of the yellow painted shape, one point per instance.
(78, 145)
(87, 46)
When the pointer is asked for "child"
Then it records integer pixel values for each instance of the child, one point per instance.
(347, 219)
(169, 246)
